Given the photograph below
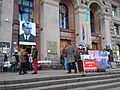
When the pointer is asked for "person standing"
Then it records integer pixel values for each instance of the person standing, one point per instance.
(5, 57)
(23, 59)
(34, 58)
(64, 60)
(70, 52)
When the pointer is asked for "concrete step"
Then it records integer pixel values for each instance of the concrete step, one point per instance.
(58, 77)
(76, 81)
(85, 85)
(107, 86)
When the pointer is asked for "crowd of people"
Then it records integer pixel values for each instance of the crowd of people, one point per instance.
(69, 57)
(23, 61)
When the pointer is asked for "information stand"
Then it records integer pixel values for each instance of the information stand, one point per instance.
(101, 57)
(87, 65)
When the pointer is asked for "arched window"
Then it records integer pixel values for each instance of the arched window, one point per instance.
(92, 22)
(63, 16)
(26, 10)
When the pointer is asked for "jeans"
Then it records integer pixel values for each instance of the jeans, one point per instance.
(65, 63)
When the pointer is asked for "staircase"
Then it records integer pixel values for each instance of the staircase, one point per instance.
(88, 81)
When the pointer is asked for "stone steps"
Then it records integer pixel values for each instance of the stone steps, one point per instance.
(63, 82)
(85, 85)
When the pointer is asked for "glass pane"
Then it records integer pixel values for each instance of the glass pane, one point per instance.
(26, 10)
(113, 14)
(19, 2)
(64, 22)
(31, 4)
(25, 17)
(19, 16)
(60, 21)
(63, 16)
(26, 2)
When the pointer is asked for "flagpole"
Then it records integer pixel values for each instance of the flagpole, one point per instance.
(86, 25)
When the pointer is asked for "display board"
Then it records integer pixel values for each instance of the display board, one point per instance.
(89, 65)
(101, 57)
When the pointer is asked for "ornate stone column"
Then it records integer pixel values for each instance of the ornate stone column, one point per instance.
(50, 34)
(105, 30)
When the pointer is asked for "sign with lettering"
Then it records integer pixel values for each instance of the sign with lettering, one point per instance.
(89, 65)
(101, 57)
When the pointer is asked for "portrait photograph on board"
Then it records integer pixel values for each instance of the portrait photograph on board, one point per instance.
(27, 33)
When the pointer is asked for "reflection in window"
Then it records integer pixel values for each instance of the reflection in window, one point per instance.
(26, 10)
(114, 10)
(63, 16)
(116, 29)
(92, 22)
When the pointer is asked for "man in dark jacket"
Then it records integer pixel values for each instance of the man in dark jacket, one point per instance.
(27, 36)
(34, 58)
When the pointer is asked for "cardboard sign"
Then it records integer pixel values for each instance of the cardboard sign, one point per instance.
(101, 58)
(89, 65)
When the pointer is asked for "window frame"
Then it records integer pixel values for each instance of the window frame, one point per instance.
(92, 22)
(116, 29)
(65, 24)
(22, 8)
(114, 10)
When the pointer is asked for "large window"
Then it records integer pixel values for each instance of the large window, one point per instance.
(63, 16)
(118, 49)
(92, 22)
(114, 10)
(116, 29)
(26, 10)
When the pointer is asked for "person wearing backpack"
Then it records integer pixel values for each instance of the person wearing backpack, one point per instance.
(23, 59)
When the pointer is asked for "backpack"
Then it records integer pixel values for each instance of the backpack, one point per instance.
(13, 60)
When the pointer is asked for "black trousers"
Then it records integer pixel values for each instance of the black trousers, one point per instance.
(70, 66)
(22, 68)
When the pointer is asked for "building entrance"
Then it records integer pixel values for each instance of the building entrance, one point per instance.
(63, 43)
(28, 48)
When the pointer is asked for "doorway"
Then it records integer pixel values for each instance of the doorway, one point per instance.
(28, 48)
(95, 15)
(63, 43)
(94, 46)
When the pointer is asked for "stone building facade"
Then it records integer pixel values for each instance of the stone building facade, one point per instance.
(61, 21)
(0, 9)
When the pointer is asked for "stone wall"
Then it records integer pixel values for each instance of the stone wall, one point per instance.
(115, 20)
(0, 10)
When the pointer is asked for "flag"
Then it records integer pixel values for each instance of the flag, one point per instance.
(83, 32)
(32, 14)
(86, 15)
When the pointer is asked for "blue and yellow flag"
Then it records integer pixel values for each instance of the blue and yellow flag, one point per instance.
(86, 15)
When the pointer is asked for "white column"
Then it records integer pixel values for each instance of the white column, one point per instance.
(50, 26)
(105, 31)
(6, 21)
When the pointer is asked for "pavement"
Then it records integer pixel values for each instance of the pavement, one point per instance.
(41, 74)
(8, 76)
